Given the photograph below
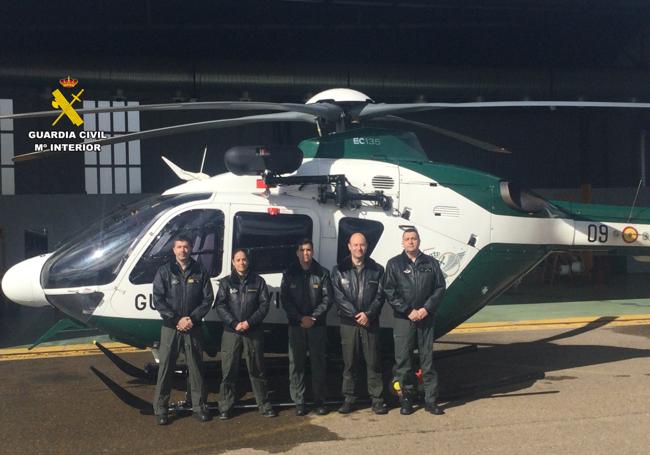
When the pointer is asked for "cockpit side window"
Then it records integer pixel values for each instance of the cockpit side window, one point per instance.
(203, 226)
(270, 240)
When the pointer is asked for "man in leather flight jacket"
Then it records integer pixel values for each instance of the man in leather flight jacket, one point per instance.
(306, 295)
(242, 303)
(414, 287)
(182, 294)
(358, 291)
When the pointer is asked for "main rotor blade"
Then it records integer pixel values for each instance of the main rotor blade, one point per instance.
(452, 134)
(375, 110)
(326, 111)
(186, 128)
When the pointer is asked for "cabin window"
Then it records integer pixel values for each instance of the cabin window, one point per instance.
(271, 240)
(204, 227)
(348, 226)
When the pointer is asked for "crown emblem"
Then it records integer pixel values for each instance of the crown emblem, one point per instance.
(68, 83)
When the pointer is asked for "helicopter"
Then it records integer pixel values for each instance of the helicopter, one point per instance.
(486, 232)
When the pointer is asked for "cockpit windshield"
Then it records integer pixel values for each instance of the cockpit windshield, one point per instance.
(96, 254)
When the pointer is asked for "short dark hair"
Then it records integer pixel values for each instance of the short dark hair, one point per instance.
(239, 250)
(182, 238)
(406, 231)
(305, 241)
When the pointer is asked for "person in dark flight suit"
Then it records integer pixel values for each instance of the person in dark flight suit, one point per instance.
(306, 297)
(242, 303)
(414, 287)
(358, 292)
(182, 294)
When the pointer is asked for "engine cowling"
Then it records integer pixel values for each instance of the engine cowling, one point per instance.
(257, 159)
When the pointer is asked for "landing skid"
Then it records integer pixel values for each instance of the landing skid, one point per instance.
(146, 407)
(149, 373)
(185, 406)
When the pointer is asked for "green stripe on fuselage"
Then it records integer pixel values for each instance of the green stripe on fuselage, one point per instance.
(605, 213)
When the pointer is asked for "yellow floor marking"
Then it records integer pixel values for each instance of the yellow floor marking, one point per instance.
(564, 323)
(69, 350)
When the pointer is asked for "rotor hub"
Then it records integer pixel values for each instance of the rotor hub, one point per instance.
(340, 95)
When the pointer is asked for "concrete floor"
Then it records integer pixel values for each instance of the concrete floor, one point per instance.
(584, 390)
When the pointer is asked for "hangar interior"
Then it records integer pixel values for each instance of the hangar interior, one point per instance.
(286, 51)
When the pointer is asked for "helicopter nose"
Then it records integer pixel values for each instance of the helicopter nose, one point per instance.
(22, 282)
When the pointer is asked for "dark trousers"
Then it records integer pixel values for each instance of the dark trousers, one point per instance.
(357, 341)
(171, 343)
(251, 346)
(301, 340)
(407, 336)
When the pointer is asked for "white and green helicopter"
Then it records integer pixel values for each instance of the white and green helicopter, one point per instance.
(486, 232)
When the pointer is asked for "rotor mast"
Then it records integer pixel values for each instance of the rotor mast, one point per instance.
(350, 101)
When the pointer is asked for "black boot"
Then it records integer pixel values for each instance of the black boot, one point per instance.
(434, 409)
(406, 406)
(320, 408)
(346, 407)
(380, 408)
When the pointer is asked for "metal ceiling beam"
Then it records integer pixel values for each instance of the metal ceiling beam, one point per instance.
(384, 82)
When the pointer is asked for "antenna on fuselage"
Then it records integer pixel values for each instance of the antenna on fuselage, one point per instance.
(636, 196)
(205, 151)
